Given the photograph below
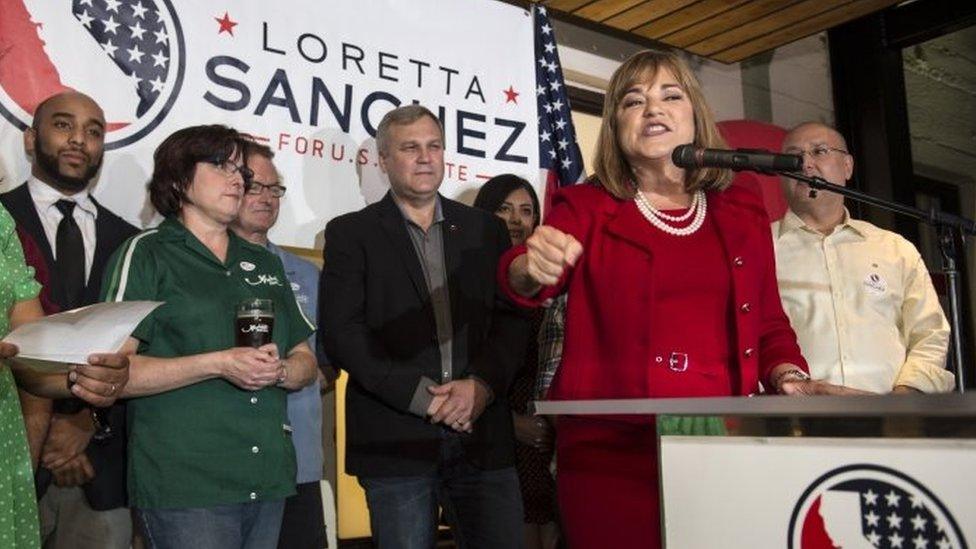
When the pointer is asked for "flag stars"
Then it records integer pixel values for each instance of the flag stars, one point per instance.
(896, 540)
(558, 151)
(86, 3)
(159, 59)
(894, 521)
(870, 498)
(136, 81)
(135, 54)
(157, 85)
(226, 24)
(920, 542)
(161, 37)
(944, 543)
(112, 5)
(139, 11)
(111, 25)
(918, 523)
(916, 501)
(109, 48)
(892, 499)
(872, 518)
(85, 19)
(137, 31)
(873, 538)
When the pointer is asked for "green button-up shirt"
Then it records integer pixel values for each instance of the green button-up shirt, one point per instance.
(209, 443)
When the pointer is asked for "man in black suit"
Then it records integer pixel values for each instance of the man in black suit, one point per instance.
(410, 310)
(83, 453)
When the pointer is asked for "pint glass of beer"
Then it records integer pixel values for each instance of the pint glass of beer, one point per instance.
(254, 322)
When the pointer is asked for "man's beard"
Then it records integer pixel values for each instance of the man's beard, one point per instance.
(63, 182)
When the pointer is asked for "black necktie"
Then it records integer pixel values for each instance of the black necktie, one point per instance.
(70, 255)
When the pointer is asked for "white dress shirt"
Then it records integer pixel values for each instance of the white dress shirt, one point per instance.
(45, 196)
(863, 306)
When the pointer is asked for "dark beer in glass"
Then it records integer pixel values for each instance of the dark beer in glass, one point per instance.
(255, 323)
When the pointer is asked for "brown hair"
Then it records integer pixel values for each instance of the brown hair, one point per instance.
(402, 116)
(611, 168)
(175, 161)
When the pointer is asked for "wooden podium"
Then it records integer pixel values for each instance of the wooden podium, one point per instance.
(814, 472)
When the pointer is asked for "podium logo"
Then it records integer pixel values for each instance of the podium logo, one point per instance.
(128, 55)
(871, 506)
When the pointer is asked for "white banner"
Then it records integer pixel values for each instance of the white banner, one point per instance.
(809, 493)
(311, 79)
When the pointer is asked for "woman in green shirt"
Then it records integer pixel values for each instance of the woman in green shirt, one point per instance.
(210, 455)
(98, 383)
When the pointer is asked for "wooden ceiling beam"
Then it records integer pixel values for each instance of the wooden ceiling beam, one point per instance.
(568, 6)
(734, 18)
(686, 17)
(644, 12)
(602, 10)
(801, 29)
(724, 30)
(799, 12)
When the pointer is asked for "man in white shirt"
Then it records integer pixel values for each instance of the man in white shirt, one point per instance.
(81, 477)
(859, 297)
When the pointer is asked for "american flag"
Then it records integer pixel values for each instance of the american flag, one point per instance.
(559, 154)
(135, 38)
(886, 516)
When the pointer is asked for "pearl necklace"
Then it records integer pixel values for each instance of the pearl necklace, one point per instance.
(698, 208)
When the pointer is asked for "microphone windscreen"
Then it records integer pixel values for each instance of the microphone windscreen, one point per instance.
(788, 163)
(683, 156)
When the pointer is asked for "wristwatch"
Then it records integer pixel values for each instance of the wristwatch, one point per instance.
(794, 374)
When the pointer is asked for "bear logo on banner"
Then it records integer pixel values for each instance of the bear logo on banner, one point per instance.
(128, 55)
(871, 506)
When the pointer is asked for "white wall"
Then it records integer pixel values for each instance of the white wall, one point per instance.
(797, 87)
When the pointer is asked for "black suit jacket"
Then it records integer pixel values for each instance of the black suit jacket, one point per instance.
(107, 490)
(378, 324)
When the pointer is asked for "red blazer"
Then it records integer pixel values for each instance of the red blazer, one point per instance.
(609, 342)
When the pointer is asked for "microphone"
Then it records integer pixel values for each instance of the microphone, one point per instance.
(756, 160)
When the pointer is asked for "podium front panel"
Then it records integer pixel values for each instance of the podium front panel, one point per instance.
(813, 493)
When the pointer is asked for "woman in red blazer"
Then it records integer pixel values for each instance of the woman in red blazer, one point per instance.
(671, 293)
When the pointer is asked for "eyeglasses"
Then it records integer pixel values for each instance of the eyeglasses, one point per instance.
(819, 152)
(257, 188)
(229, 169)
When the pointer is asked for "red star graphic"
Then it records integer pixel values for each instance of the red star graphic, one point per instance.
(510, 95)
(226, 25)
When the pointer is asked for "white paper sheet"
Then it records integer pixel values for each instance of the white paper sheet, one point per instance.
(51, 343)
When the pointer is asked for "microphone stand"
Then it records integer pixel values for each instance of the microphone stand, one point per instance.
(950, 229)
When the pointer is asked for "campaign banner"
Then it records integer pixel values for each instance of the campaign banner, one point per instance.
(310, 79)
(818, 493)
